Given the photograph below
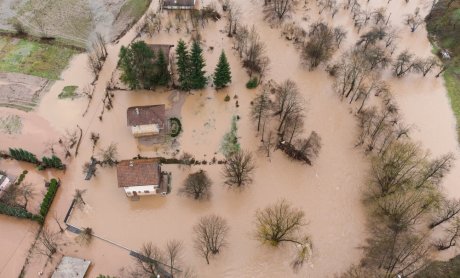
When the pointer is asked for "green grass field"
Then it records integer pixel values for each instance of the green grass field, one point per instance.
(68, 92)
(443, 25)
(33, 57)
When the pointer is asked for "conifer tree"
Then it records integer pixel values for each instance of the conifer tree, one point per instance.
(222, 73)
(162, 73)
(183, 65)
(136, 64)
(197, 77)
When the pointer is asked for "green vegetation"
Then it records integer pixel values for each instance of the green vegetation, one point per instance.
(49, 197)
(68, 92)
(252, 83)
(15, 211)
(52, 162)
(142, 68)
(22, 176)
(443, 24)
(33, 57)
(222, 74)
(190, 66)
(23, 155)
(197, 64)
(230, 143)
(227, 98)
(175, 126)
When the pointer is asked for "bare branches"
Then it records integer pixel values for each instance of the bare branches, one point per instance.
(414, 20)
(210, 234)
(447, 210)
(321, 45)
(278, 9)
(197, 185)
(47, 243)
(239, 169)
(279, 223)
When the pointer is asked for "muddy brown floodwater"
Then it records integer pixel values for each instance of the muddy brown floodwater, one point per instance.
(329, 192)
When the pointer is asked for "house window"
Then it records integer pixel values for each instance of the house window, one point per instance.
(146, 191)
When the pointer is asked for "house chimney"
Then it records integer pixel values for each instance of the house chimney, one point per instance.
(137, 111)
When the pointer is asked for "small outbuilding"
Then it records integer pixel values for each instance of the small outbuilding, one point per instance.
(71, 267)
(163, 48)
(179, 4)
(142, 177)
(5, 182)
(146, 120)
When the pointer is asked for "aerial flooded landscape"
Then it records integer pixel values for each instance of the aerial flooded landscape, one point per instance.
(229, 138)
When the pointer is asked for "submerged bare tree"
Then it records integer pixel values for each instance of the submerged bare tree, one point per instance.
(278, 9)
(414, 20)
(233, 16)
(393, 253)
(210, 235)
(108, 156)
(239, 169)
(452, 233)
(197, 185)
(261, 107)
(18, 194)
(78, 197)
(447, 210)
(424, 66)
(288, 103)
(47, 243)
(403, 64)
(320, 46)
(280, 222)
(85, 236)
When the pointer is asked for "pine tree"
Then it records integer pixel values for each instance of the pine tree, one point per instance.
(222, 73)
(162, 73)
(197, 77)
(183, 65)
(136, 63)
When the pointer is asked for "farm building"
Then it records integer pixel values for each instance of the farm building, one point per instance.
(142, 177)
(146, 120)
(178, 4)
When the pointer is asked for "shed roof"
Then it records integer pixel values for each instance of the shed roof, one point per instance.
(138, 172)
(179, 3)
(71, 267)
(165, 48)
(146, 115)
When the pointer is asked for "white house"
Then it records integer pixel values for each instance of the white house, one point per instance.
(141, 177)
(146, 120)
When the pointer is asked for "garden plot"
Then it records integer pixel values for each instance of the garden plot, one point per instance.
(20, 91)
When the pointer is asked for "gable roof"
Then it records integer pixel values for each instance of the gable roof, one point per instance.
(146, 115)
(165, 48)
(179, 3)
(138, 172)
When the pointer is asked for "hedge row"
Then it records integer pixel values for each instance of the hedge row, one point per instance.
(15, 211)
(48, 199)
(47, 162)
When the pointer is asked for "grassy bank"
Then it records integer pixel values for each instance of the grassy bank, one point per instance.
(33, 57)
(443, 25)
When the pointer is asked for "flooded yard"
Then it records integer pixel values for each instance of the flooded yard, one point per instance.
(329, 192)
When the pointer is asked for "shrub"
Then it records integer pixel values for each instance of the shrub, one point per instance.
(21, 177)
(23, 155)
(176, 126)
(68, 92)
(230, 143)
(48, 199)
(252, 83)
(227, 98)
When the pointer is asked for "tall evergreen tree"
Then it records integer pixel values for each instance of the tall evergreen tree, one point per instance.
(183, 65)
(197, 76)
(222, 73)
(162, 75)
(136, 63)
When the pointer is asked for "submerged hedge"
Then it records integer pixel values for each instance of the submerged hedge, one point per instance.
(49, 197)
(15, 211)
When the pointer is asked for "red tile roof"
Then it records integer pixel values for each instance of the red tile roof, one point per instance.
(138, 172)
(146, 115)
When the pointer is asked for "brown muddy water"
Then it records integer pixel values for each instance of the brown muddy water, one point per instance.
(329, 192)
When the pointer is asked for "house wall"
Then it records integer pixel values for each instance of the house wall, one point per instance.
(141, 190)
(4, 184)
(145, 130)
